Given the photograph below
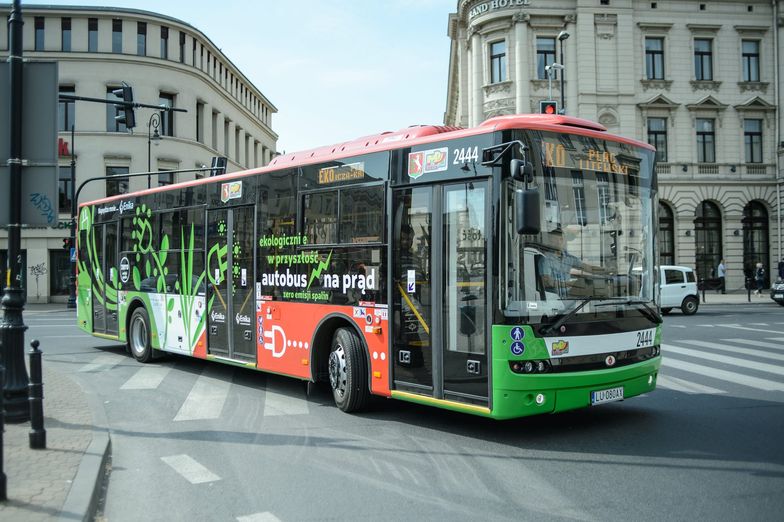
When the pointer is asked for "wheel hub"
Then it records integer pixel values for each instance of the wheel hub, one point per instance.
(138, 336)
(337, 370)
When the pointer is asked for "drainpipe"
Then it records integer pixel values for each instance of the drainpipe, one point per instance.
(777, 93)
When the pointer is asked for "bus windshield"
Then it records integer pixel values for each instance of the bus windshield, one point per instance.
(596, 245)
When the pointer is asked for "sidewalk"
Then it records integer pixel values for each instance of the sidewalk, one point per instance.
(63, 481)
(736, 297)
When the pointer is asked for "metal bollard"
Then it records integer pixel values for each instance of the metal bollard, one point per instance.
(3, 491)
(36, 392)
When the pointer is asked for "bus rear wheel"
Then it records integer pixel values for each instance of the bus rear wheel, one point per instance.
(348, 373)
(139, 336)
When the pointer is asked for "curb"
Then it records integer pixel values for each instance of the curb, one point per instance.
(88, 482)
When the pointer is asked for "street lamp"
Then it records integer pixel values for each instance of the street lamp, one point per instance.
(550, 70)
(563, 35)
(152, 137)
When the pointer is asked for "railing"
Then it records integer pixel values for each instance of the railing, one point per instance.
(707, 168)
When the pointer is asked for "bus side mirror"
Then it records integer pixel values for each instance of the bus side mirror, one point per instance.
(521, 170)
(527, 211)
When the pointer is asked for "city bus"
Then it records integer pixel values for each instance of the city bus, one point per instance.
(504, 270)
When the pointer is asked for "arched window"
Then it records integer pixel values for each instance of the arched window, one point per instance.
(666, 235)
(755, 239)
(707, 231)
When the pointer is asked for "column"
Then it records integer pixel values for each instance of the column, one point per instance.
(522, 65)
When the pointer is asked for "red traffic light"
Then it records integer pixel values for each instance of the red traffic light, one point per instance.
(548, 107)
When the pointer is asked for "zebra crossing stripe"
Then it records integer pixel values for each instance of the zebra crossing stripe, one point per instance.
(101, 363)
(205, 401)
(736, 349)
(682, 385)
(259, 517)
(760, 344)
(280, 404)
(190, 469)
(147, 378)
(738, 327)
(723, 375)
(743, 363)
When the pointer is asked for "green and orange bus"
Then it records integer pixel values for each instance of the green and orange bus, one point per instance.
(504, 270)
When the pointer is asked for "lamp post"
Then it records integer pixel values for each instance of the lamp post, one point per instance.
(550, 70)
(563, 35)
(152, 136)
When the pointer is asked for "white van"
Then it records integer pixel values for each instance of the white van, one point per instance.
(678, 286)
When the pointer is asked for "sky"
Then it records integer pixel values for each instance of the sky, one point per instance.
(335, 69)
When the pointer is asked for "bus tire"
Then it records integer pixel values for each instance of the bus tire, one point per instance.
(690, 305)
(347, 368)
(139, 340)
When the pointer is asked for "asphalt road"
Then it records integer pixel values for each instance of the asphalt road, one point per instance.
(193, 440)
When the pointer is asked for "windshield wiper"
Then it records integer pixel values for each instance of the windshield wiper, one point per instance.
(646, 309)
(568, 315)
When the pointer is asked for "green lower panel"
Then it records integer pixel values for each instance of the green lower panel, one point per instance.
(515, 395)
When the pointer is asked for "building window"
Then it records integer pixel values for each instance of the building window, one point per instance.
(666, 235)
(92, 35)
(141, 38)
(59, 272)
(497, 62)
(578, 190)
(65, 109)
(64, 189)
(165, 177)
(657, 136)
(706, 141)
(118, 185)
(214, 130)
(707, 229)
(164, 43)
(167, 117)
(545, 55)
(755, 237)
(752, 136)
(604, 197)
(117, 38)
(751, 60)
(200, 122)
(703, 59)
(65, 34)
(654, 58)
(39, 33)
(112, 111)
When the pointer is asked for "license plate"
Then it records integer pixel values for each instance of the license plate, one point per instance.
(778, 296)
(609, 395)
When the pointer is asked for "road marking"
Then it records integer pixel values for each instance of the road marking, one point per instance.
(737, 327)
(736, 350)
(280, 404)
(779, 339)
(101, 363)
(760, 344)
(66, 325)
(675, 326)
(191, 470)
(743, 363)
(758, 324)
(259, 517)
(707, 325)
(205, 401)
(58, 336)
(684, 386)
(723, 375)
(147, 378)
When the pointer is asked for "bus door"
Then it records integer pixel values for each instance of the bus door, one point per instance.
(230, 277)
(104, 295)
(440, 293)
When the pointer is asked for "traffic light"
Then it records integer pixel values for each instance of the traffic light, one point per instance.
(66, 243)
(548, 107)
(125, 110)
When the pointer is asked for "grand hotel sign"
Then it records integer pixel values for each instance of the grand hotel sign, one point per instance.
(494, 5)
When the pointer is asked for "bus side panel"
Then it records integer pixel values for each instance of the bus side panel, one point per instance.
(84, 284)
(177, 322)
(285, 331)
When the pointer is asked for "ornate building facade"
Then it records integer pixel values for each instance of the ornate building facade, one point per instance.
(167, 62)
(700, 80)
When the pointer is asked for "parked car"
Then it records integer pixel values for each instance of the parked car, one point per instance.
(777, 291)
(678, 286)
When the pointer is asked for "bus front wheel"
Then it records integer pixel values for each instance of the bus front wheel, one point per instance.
(139, 336)
(348, 372)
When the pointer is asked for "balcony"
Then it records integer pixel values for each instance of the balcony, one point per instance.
(719, 171)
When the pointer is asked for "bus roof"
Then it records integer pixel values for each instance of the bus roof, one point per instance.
(409, 137)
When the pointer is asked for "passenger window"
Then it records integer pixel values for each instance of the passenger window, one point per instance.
(673, 277)
(362, 215)
(321, 217)
(690, 277)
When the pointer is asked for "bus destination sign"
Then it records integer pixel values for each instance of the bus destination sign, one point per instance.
(338, 173)
(556, 155)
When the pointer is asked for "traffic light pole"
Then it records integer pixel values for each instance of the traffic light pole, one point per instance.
(72, 276)
(120, 103)
(12, 327)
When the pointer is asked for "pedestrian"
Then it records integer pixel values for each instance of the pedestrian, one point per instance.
(759, 276)
(781, 269)
(722, 270)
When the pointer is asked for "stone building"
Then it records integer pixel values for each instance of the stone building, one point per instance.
(166, 62)
(698, 79)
